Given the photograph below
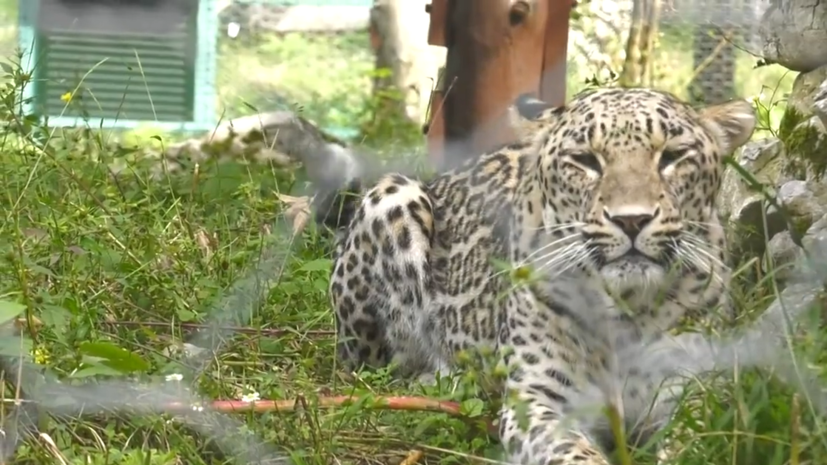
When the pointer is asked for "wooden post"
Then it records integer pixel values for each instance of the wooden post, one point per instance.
(553, 80)
(497, 49)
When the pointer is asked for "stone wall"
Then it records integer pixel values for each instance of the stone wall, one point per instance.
(770, 221)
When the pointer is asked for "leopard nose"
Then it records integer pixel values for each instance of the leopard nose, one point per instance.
(631, 225)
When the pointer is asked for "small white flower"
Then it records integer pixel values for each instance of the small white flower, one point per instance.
(175, 377)
(250, 397)
(233, 29)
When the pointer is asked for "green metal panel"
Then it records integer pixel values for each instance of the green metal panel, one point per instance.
(121, 76)
(205, 92)
(125, 78)
(26, 14)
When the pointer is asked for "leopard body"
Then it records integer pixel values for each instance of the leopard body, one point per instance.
(609, 201)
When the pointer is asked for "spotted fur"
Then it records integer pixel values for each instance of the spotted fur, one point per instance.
(610, 201)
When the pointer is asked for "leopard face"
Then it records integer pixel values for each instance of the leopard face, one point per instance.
(629, 180)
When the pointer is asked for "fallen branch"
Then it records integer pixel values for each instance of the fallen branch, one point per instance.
(410, 403)
(404, 403)
(282, 138)
(235, 329)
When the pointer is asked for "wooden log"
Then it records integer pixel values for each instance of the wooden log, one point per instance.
(497, 50)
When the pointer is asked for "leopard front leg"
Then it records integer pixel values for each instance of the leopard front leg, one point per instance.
(659, 371)
(549, 367)
(537, 433)
(380, 288)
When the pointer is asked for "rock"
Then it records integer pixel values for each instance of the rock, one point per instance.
(807, 275)
(815, 243)
(764, 159)
(816, 234)
(802, 129)
(820, 103)
(805, 142)
(743, 207)
(806, 90)
(794, 34)
(804, 202)
(782, 253)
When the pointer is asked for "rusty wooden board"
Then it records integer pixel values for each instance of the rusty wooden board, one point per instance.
(492, 58)
(478, 78)
(438, 10)
(553, 80)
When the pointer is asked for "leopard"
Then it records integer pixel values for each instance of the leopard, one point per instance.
(609, 201)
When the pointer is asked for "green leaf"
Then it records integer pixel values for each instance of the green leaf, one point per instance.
(41, 270)
(10, 311)
(432, 422)
(471, 407)
(14, 346)
(319, 264)
(114, 357)
(185, 315)
(95, 370)
(321, 284)
(55, 316)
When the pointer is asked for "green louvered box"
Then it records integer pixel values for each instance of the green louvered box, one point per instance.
(119, 77)
(130, 62)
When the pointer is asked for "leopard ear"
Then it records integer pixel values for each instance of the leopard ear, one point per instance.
(733, 122)
(531, 108)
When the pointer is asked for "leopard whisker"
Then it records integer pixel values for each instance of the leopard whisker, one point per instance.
(704, 223)
(545, 247)
(687, 235)
(585, 254)
(687, 257)
(570, 258)
(683, 258)
(556, 256)
(701, 259)
(529, 258)
(698, 246)
(691, 259)
(690, 236)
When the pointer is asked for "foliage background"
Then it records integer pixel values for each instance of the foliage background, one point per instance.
(123, 265)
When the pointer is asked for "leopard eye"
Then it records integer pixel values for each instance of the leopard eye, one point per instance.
(588, 161)
(669, 158)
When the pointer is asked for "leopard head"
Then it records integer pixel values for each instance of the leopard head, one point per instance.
(628, 181)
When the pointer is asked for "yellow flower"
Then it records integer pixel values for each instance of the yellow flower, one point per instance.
(67, 97)
(41, 357)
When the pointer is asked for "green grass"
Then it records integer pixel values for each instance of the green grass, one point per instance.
(327, 78)
(119, 270)
(91, 257)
